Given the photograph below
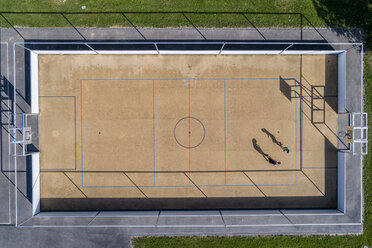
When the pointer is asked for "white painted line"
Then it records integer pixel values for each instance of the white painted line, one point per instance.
(183, 226)
(64, 52)
(243, 213)
(77, 214)
(173, 52)
(188, 52)
(188, 215)
(191, 213)
(15, 157)
(341, 82)
(313, 52)
(361, 110)
(7, 75)
(34, 64)
(9, 186)
(35, 183)
(105, 214)
(313, 212)
(193, 42)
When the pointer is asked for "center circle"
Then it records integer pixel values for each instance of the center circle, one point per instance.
(189, 132)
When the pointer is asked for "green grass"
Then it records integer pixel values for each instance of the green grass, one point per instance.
(240, 242)
(317, 13)
(158, 19)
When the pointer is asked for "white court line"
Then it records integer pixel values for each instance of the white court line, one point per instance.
(127, 216)
(9, 187)
(193, 42)
(196, 215)
(333, 224)
(316, 214)
(185, 79)
(15, 157)
(183, 226)
(361, 110)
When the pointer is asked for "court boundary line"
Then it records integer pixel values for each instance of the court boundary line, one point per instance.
(183, 226)
(332, 224)
(190, 135)
(188, 80)
(361, 160)
(192, 215)
(224, 128)
(153, 126)
(9, 170)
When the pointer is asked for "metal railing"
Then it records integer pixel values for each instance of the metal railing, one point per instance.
(359, 123)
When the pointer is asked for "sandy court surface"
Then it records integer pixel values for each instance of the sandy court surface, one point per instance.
(107, 130)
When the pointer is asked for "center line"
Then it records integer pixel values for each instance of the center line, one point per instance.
(224, 117)
(189, 134)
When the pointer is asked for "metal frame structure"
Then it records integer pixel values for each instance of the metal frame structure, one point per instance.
(223, 48)
(359, 123)
(14, 133)
(17, 134)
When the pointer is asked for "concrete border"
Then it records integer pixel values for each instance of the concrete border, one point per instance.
(210, 214)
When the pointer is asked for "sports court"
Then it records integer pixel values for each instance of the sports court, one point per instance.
(144, 127)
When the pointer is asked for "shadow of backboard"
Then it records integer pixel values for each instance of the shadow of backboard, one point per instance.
(285, 88)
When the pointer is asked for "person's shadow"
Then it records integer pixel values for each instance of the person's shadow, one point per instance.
(272, 137)
(259, 150)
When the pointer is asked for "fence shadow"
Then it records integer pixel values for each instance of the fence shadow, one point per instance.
(260, 20)
(285, 88)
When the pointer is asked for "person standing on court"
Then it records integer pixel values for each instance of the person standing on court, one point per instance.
(285, 149)
(272, 161)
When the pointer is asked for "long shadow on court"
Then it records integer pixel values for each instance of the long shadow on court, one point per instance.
(273, 138)
(326, 200)
(259, 150)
